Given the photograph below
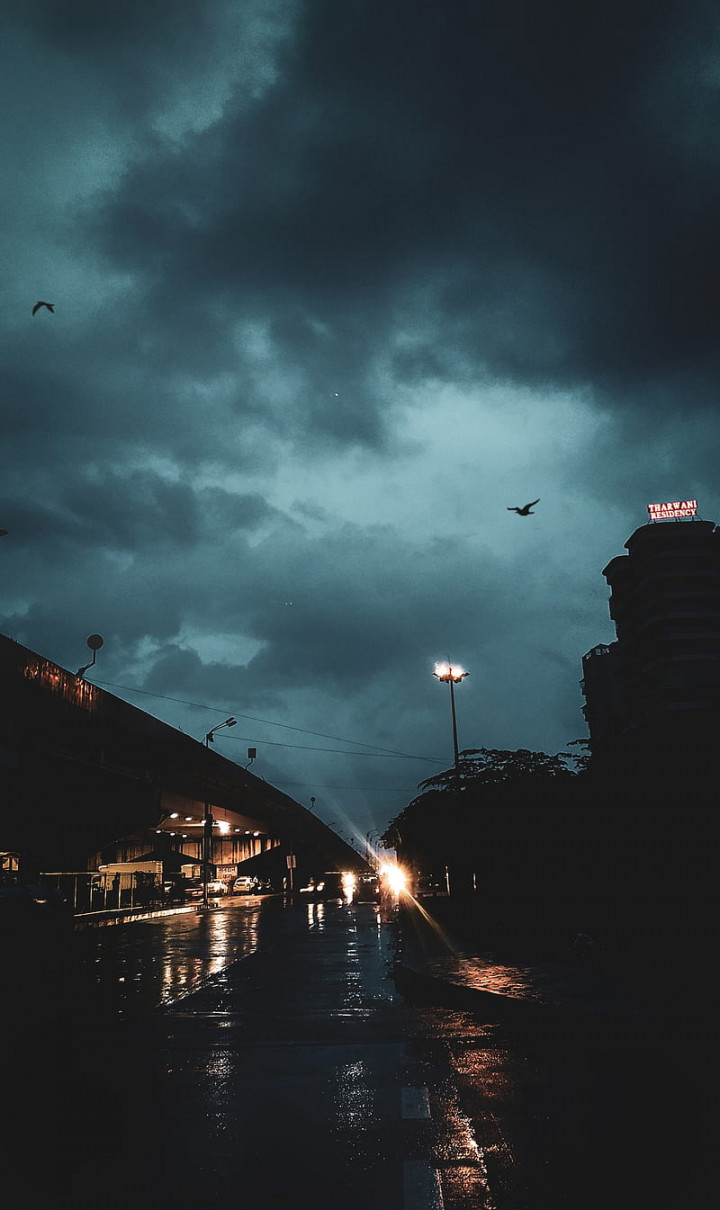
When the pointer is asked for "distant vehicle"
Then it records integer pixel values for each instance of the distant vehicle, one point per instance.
(367, 889)
(31, 909)
(24, 900)
(245, 884)
(31, 897)
(330, 885)
(196, 888)
(430, 885)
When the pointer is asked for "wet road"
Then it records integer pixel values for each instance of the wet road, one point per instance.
(260, 1054)
(586, 1084)
(257, 1054)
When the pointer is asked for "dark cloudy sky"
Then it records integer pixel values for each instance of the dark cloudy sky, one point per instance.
(334, 285)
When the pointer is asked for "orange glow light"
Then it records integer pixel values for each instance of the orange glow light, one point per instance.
(454, 670)
(395, 878)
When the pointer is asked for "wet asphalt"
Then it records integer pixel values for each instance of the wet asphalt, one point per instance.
(310, 1055)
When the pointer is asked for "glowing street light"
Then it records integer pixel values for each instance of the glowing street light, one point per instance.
(208, 821)
(452, 675)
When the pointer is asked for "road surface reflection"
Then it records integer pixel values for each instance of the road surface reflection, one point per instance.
(156, 962)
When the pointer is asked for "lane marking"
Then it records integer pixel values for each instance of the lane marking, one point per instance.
(415, 1103)
(421, 1187)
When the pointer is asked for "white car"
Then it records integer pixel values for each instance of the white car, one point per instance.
(244, 884)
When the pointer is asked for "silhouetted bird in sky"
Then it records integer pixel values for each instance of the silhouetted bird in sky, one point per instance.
(525, 510)
(50, 307)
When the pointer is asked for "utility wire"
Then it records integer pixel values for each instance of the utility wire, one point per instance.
(363, 789)
(433, 760)
(384, 755)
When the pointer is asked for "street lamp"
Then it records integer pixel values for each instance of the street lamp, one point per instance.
(452, 676)
(371, 849)
(208, 820)
(94, 642)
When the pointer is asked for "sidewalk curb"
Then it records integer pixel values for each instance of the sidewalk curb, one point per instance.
(422, 988)
(111, 916)
(556, 1023)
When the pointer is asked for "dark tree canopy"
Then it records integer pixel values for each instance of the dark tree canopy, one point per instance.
(485, 777)
(488, 766)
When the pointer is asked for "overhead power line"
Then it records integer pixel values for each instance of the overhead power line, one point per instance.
(379, 751)
(322, 786)
(338, 751)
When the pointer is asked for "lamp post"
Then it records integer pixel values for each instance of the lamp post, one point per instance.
(452, 676)
(94, 642)
(372, 851)
(208, 819)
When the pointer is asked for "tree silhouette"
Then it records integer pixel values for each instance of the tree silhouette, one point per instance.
(488, 766)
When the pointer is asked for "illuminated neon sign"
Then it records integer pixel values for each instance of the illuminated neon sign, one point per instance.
(672, 511)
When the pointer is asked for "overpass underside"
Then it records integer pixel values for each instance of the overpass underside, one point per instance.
(84, 774)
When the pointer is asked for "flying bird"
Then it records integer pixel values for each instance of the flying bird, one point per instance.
(526, 510)
(38, 305)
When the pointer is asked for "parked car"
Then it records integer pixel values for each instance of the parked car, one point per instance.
(245, 884)
(32, 898)
(196, 889)
(430, 885)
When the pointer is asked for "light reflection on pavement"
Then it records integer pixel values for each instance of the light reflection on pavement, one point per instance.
(593, 1095)
(138, 966)
(205, 1046)
(214, 1028)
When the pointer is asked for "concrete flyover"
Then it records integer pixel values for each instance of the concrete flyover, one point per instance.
(85, 777)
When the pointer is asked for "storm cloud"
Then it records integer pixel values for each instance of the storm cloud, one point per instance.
(334, 286)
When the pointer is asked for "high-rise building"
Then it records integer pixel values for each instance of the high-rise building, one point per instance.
(655, 691)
